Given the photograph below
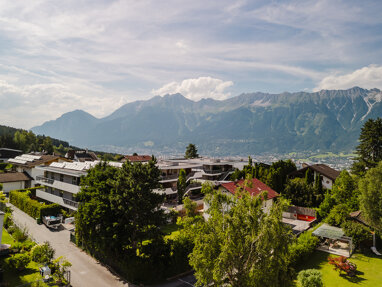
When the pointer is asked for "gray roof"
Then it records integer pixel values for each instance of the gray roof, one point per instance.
(328, 231)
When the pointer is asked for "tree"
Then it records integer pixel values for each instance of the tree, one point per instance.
(370, 188)
(191, 151)
(237, 245)
(42, 253)
(369, 150)
(302, 194)
(118, 209)
(181, 185)
(345, 190)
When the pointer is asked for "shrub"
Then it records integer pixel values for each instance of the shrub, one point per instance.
(21, 199)
(20, 234)
(342, 264)
(18, 261)
(7, 220)
(338, 215)
(310, 278)
(42, 253)
(23, 246)
(302, 248)
(356, 230)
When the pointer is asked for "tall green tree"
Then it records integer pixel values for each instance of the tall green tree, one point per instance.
(370, 188)
(369, 150)
(181, 185)
(239, 244)
(191, 151)
(118, 208)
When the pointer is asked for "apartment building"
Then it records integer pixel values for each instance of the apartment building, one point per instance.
(61, 181)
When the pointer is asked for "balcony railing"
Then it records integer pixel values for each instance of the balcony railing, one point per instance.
(70, 202)
(45, 179)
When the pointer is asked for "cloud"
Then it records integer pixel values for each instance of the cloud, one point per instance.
(196, 89)
(30, 105)
(367, 77)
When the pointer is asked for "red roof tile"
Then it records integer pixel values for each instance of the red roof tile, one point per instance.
(136, 158)
(256, 189)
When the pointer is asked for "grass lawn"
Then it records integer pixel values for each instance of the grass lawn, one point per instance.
(171, 230)
(369, 269)
(30, 274)
(7, 238)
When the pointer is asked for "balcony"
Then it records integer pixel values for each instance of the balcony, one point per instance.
(56, 184)
(41, 193)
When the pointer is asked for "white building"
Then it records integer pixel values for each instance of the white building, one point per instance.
(29, 162)
(62, 181)
(14, 180)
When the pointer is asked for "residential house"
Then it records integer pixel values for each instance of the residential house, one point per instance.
(14, 180)
(256, 188)
(328, 174)
(81, 155)
(137, 158)
(7, 153)
(28, 163)
(61, 181)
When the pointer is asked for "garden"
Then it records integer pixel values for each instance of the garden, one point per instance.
(368, 272)
(21, 263)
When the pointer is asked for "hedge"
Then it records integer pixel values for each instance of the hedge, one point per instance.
(32, 207)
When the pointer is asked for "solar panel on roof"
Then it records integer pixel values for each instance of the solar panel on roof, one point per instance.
(31, 156)
(17, 161)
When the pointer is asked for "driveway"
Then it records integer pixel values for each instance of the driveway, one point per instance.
(85, 270)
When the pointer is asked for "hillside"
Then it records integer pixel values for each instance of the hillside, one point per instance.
(328, 120)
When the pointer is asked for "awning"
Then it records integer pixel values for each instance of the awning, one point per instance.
(328, 231)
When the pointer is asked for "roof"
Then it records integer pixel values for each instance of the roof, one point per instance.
(14, 177)
(256, 189)
(137, 158)
(81, 155)
(28, 160)
(328, 231)
(321, 169)
(357, 215)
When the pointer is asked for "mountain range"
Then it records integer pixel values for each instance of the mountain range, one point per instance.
(251, 123)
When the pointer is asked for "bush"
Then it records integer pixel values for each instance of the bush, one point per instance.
(20, 234)
(357, 231)
(8, 220)
(343, 264)
(23, 246)
(338, 215)
(310, 278)
(21, 199)
(302, 248)
(42, 253)
(18, 261)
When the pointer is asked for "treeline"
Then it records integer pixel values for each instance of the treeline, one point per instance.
(27, 141)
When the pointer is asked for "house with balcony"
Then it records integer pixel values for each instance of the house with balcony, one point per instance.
(170, 170)
(28, 163)
(61, 182)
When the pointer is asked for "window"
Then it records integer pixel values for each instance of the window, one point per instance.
(61, 177)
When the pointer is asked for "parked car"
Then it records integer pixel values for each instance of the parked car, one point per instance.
(52, 221)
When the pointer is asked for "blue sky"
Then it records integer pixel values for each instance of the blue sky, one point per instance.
(57, 56)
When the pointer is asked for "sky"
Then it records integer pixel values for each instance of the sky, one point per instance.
(58, 56)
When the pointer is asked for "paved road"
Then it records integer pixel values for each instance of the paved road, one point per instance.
(85, 270)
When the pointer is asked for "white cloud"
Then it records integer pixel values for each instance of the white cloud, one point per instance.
(367, 77)
(30, 105)
(196, 89)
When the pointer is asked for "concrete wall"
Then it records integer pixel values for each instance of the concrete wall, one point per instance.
(8, 186)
